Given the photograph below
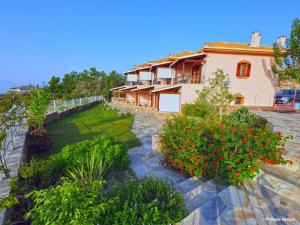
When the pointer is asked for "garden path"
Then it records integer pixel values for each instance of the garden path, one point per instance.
(271, 198)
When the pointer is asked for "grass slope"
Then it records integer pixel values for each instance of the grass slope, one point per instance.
(89, 123)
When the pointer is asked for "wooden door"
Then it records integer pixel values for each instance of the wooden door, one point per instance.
(196, 74)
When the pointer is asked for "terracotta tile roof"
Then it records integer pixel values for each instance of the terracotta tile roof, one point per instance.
(143, 88)
(232, 45)
(181, 54)
(162, 60)
(145, 65)
(118, 88)
(166, 88)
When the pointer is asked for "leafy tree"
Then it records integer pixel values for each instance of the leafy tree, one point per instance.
(85, 83)
(287, 66)
(213, 99)
(37, 110)
(55, 87)
(11, 115)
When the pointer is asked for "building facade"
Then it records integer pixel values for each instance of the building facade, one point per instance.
(168, 83)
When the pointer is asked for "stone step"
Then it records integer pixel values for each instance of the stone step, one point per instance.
(201, 194)
(190, 184)
(230, 206)
(280, 194)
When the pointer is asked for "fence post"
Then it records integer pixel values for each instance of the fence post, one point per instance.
(54, 105)
(65, 104)
(80, 103)
(73, 101)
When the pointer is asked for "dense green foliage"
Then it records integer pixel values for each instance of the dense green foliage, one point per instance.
(68, 203)
(86, 83)
(89, 123)
(213, 99)
(227, 150)
(149, 201)
(42, 173)
(37, 109)
(288, 65)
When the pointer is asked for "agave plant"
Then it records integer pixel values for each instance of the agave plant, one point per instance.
(90, 168)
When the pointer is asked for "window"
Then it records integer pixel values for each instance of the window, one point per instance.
(243, 69)
(239, 100)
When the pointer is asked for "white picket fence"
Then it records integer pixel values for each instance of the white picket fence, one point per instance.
(63, 105)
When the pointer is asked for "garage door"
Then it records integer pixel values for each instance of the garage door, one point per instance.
(169, 103)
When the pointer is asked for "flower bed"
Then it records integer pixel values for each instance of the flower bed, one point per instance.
(227, 150)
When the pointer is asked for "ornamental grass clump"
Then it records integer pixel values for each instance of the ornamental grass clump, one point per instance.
(228, 150)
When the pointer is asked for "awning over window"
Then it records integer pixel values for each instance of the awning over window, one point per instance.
(131, 77)
(145, 76)
(164, 73)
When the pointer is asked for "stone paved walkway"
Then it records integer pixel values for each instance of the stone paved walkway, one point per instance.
(145, 161)
(273, 195)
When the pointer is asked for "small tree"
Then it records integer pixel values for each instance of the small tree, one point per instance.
(37, 110)
(216, 97)
(287, 65)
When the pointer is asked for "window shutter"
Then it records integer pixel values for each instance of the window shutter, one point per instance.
(238, 69)
(248, 70)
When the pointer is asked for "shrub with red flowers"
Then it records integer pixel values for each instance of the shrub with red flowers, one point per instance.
(227, 151)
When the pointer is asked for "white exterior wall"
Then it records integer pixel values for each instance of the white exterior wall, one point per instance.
(189, 92)
(258, 89)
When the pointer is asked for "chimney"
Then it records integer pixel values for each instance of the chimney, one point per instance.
(255, 39)
(281, 41)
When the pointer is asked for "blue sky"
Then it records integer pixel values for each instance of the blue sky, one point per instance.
(39, 39)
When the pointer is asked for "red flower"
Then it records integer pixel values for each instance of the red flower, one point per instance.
(260, 156)
(282, 149)
(260, 145)
(250, 154)
(220, 158)
(216, 163)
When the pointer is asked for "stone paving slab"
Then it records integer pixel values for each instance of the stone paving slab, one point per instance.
(210, 203)
(14, 158)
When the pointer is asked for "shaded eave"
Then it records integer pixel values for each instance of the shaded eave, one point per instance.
(166, 88)
(186, 57)
(117, 88)
(143, 88)
(128, 88)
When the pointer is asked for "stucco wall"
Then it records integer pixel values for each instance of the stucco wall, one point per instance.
(130, 97)
(258, 89)
(144, 98)
(189, 92)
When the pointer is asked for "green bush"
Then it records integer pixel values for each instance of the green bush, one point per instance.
(40, 173)
(243, 117)
(68, 203)
(227, 151)
(112, 152)
(201, 109)
(148, 201)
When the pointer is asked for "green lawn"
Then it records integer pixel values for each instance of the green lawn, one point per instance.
(89, 123)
